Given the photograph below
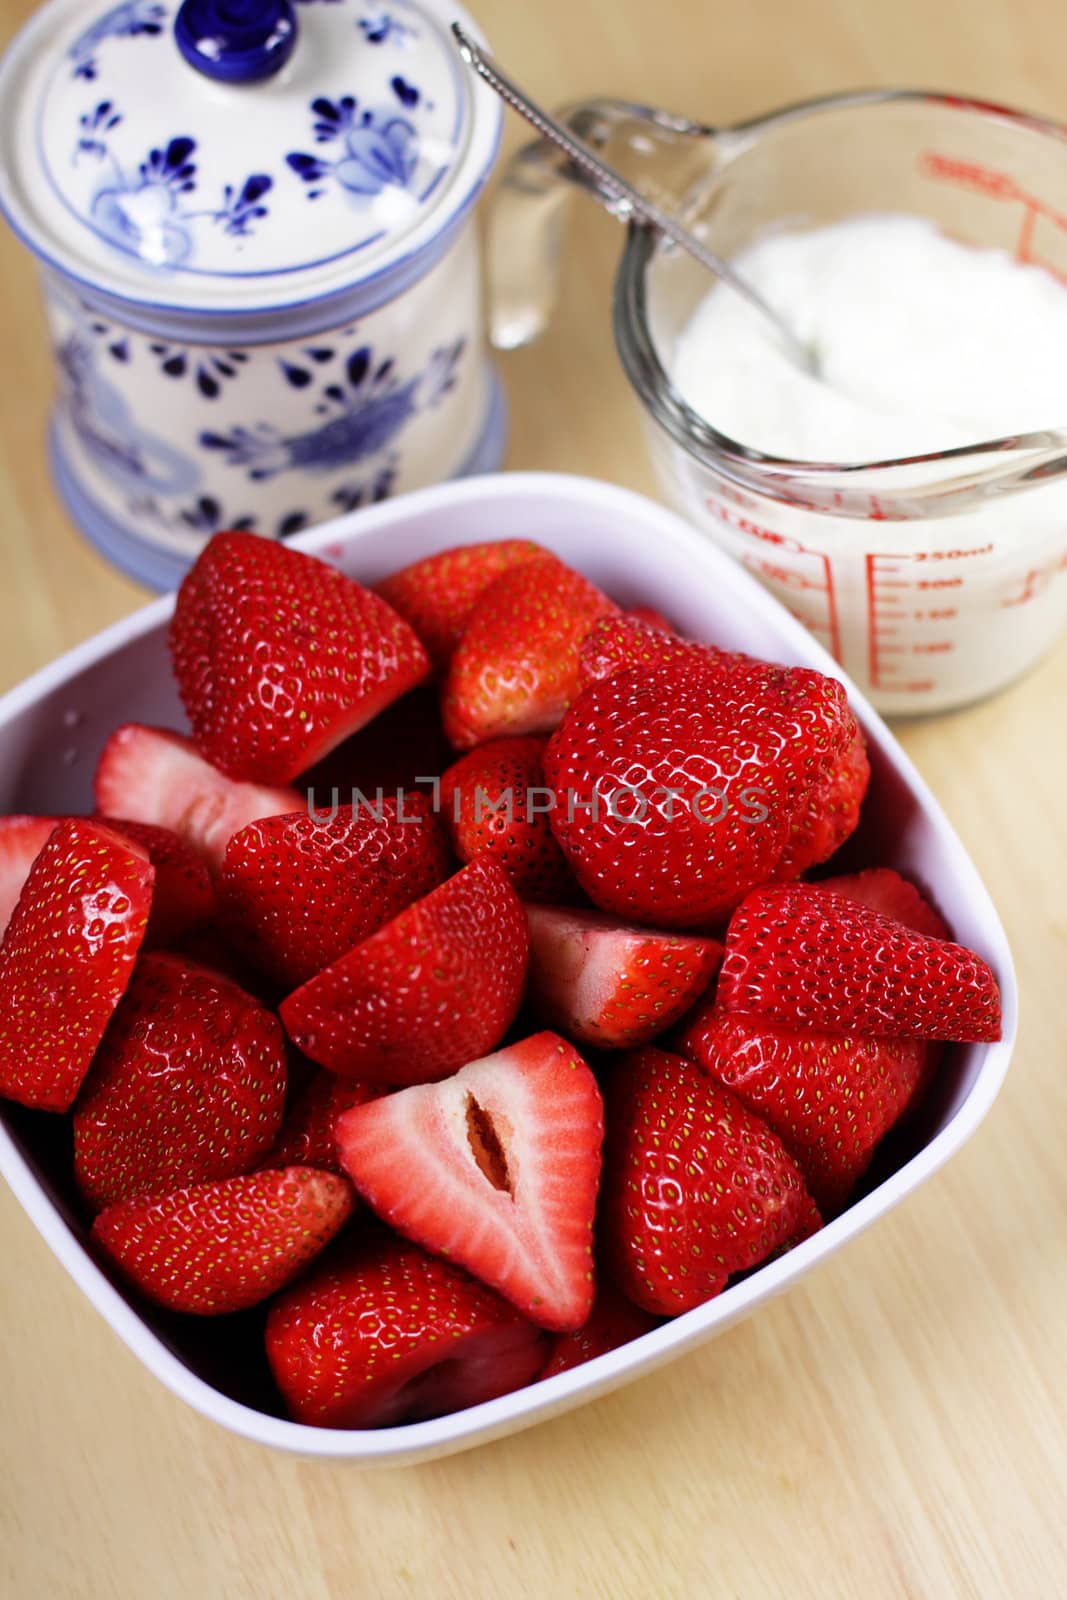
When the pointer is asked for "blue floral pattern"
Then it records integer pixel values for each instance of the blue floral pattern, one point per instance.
(379, 145)
(379, 27)
(131, 20)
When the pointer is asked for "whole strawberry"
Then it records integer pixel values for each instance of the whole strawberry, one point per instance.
(308, 1136)
(279, 656)
(882, 889)
(437, 986)
(695, 1186)
(806, 955)
(297, 892)
(67, 957)
(677, 786)
(379, 1332)
(613, 1321)
(494, 801)
(183, 897)
(829, 1097)
(436, 595)
(187, 1087)
(515, 670)
(832, 813)
(220, 1247)
(632, 639)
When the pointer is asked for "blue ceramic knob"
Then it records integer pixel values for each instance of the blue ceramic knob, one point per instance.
(236, 41)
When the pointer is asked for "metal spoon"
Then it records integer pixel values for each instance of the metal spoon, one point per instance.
(621, 198)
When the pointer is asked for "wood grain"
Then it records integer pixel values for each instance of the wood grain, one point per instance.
(894, 1428)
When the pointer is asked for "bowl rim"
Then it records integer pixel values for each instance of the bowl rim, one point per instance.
(415, 1441)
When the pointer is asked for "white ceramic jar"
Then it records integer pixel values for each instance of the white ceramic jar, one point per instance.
(254, 224)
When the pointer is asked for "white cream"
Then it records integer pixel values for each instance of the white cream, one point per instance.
(923, 343)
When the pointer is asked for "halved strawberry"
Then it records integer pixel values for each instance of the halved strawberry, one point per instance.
(496, 1168)
(308, 1134)
(832, 813)
(379, 1333)
(435, 987)
(297, 892)
(613, 1321)
(695, 1186)
(830, 1097)
(67, 957)
(610, 983)
(280, 656)
(218, 1247)
(493, 800)
(188, 1086)
(21, 841)
(183, 899)
(436, 595)
(515, 670)
(154, 775)
(804, 954)
(882, 889)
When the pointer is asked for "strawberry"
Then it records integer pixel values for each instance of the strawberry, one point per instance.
(279, 657)
(435, 987)
(654, 618)
(695, 1186)
(676, 786)
(21, 841)
(608, 983)
(218, 1247)
(494, 800)
(830, 1097)
(437, 595)
(405, 744)
(155, 776)
(67, 957)
(832, 812)
(613, 1321)
(307, 1134)
(296, 893)
(188, 1086)
(183, 898)
(379, 1333)
(497, 1169)
(882, 889)
(803, 954)
(515, 670)
(618, 642)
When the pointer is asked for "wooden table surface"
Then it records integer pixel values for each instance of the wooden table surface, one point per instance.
(894, 1427)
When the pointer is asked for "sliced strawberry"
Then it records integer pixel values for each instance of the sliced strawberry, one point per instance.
(379, 1333)
(613, 1321)
(695, 1186)
(803, 954)
(297, 892)
(494, 800)
(436, 595)
(515, 670)
(218, 1247)
(279, 657)
(188, 1086)
(183, 899)
(437, 986)
(676, 786)
(21, 841)
(830, 1097)
(882, 889)
(308, 1134)
(154, 775)
(832, 813)
(67, 957)
(609, 983)
(497, 1169)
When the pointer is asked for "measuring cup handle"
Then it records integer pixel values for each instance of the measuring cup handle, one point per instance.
(661, 154)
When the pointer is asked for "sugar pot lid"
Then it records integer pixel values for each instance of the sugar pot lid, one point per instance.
(239, 156)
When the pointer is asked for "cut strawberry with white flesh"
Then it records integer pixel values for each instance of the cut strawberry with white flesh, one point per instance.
(497, 1169)
(155, 775)
(609, 983)
(379, 1332)
(67, 957)
(21, 841)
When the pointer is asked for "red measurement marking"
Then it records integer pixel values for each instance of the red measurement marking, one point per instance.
(888, 583)
(999, 186)
(1036, 582)
(817, 581)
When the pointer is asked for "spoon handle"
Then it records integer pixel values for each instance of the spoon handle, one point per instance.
(619, 196)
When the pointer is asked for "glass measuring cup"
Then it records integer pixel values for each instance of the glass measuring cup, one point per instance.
(935, 579)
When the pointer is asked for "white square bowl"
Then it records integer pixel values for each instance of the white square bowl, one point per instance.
(53, 727)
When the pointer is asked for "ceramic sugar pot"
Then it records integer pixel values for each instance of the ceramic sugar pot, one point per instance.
(253, 219)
